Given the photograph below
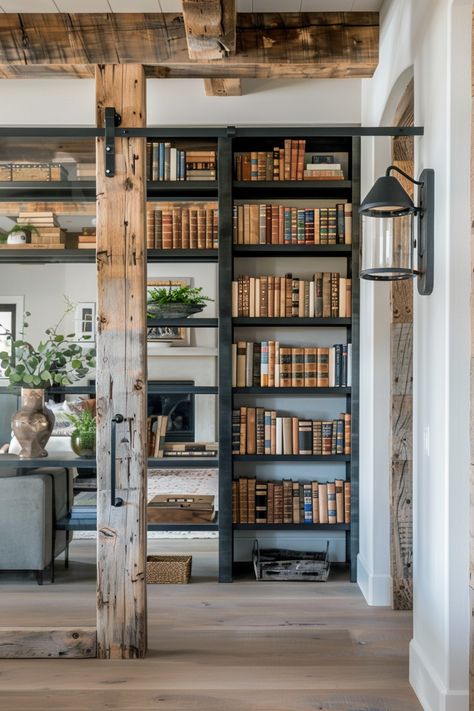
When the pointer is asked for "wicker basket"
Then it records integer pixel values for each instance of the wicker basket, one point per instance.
(168, 569)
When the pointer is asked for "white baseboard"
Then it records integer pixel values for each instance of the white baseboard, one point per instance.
(377, 589)
(431, 692)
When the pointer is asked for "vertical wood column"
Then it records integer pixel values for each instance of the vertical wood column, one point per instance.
(401, 391)
(121, 370)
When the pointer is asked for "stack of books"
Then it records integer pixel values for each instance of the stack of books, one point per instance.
(165, 162)
(48, 233)
(259, 431)
(85, 171)
(191, 449)
(286, 224)
(87, 239)
(272, 364)
(323, 167)
(289, 502)
(327, 295)
(189, 226)
(156, 428)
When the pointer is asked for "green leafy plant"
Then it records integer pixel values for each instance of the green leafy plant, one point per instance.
(56, 360)
(25, 227)
(178, 295)
(84, 422)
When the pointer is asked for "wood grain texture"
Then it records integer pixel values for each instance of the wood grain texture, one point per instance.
(210, 28)
(39, 642)
(121, 370)
(324, 44)
(260, 646)
(223, 87)
(401, 389)
(471, 538)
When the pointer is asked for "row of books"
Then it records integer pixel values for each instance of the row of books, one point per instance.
(327, 295)
(289, 162)
(166, 162)
(179, 227)
(156, 433)
(272, 364)
(191, 449)
(284, 224)
(259, 431)
(288, 502)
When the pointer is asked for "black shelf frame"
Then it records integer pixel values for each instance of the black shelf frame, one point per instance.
(322, 458)
(338, 392)
(292, 526)
(292, 321)
(224, 191)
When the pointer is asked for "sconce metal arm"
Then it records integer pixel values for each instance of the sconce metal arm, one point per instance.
(405, 175)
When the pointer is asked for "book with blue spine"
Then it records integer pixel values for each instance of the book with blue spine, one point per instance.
(307, 503)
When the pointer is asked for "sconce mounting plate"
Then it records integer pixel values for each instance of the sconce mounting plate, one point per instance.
(425, 246)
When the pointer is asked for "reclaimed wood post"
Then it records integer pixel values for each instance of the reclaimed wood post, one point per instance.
(121, 370)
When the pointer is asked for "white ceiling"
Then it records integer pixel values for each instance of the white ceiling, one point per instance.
(175, 5)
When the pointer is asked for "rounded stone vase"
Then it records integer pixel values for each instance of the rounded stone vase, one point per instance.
(83, 443)
(33, 424)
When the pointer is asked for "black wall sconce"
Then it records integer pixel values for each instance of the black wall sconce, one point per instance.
(388, 239)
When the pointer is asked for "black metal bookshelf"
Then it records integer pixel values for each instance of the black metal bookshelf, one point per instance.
(224, 191)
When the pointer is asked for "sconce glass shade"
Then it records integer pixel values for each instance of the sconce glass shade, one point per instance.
(387, 247)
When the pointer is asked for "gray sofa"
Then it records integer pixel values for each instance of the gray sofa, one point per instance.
(31, 502)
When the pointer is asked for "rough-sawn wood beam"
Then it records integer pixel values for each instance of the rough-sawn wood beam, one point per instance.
(268, 45)
(210, 28)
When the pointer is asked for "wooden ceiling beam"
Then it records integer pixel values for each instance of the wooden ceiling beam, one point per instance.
(223, 87)
(210, 28)
(268, 45)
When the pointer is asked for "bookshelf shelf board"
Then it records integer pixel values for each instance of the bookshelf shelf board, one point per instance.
(164, 388)
(181, 189)
(77, 190)
(291, 391)
(314, 187)
(184, 322)
(291, 458)
(292, 321)
(58, 459)
(23, 255)
(291, 526)
(183, 255)
(292, 250)
(183, 463)
(88, 522)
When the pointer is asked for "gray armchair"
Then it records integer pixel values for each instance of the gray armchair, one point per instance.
(30, 504)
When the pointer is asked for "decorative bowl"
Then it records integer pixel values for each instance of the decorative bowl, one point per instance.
(157, 311)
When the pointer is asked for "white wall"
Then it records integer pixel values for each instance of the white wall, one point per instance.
(183, 101)
(434, 36)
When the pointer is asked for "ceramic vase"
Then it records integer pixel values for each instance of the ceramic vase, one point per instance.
(33, 424)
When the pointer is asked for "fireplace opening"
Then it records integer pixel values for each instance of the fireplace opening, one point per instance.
(179, 407)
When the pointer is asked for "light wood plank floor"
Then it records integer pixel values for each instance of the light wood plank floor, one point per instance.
(242, 647)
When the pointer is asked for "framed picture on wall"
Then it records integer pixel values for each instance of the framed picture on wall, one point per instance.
(170, 335)
(84, 321)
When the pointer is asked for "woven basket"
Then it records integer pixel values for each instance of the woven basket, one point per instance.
(168, 569)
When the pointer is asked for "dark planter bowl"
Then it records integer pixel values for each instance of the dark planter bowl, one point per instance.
(157, 311)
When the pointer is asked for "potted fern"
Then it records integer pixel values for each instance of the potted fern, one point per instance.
(83, 437)
(175, 302)
(21, 233)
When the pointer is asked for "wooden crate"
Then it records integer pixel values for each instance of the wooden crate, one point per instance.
(6, 171)
(38, 172)
(168, 569)
(181, 508)
(282, 564)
